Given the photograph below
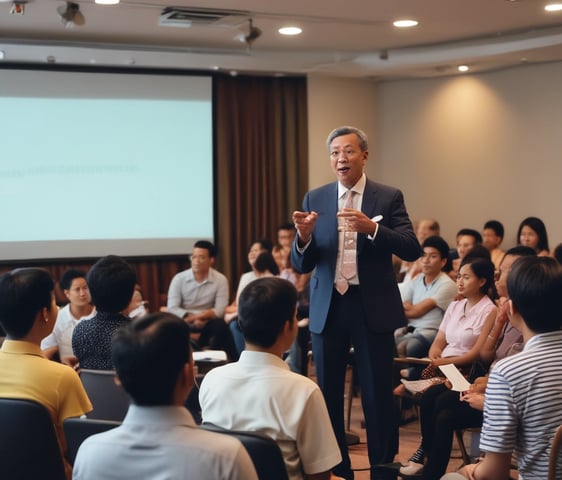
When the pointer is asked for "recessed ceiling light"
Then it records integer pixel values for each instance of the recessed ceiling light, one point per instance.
(290, 31)
(463, 68)
(405, 23)
(107, 2)
(553, 7)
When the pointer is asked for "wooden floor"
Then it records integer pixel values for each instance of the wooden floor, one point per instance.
(409, 442)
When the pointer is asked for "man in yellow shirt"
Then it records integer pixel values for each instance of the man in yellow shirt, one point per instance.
(28, 313)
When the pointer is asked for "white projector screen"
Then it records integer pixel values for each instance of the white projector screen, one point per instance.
(104, 163)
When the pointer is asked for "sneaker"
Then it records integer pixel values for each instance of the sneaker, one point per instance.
(411, 469)
(415, 464)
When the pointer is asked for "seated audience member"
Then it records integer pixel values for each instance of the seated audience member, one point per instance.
(492, 237)
(79, 307)
(112, 281)
(532, 233)
(256, 248)
(264, 266)
(451, 411)
(260, 393)
(462, 334)
(199, 295)
(467, 238)
(425, 300)
(137, 305)
(523, 401)
(28, 313)
(283, 262)
(158, 437)
(427, 227)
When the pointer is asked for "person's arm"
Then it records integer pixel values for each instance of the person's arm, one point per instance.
(494, 466)
(419, 309)
(174, 304)
(50, 352)
(437, 346)
(472, 355)
(488, 351)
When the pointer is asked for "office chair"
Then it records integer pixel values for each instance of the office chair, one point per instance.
(263, 450)
(28, 442)
(76, 430)
(109, 400)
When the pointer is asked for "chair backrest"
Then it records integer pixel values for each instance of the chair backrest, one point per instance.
(263, 450)
(109, 400)
(555, 454)
(76, 430)
(28, 442)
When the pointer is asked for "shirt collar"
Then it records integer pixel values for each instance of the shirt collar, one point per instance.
(160, 415)
(249, 357)
(21, 347)
(358, 188)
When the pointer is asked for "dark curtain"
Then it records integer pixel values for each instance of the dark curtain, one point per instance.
(261, 145)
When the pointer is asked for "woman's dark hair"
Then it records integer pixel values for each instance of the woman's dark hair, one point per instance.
(266, 263)
(538, 226)
(483, 268)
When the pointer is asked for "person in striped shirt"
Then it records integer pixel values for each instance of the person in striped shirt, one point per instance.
(523, 401)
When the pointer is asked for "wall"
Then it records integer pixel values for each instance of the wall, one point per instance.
(463, 149)
(333, 102)
(471, 148)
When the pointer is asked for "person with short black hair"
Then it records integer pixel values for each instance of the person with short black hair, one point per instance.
(158, 437)
(27, 313)
(425, 300)
(467, 239)
(75, 288)
(260, 393)
(492, 237)
(199, 295)
(112, 282)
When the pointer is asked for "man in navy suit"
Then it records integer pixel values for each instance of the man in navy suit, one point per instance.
(361, 308)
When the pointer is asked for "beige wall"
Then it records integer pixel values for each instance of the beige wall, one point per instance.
(463, 149)
(333, 102)
(471, 148)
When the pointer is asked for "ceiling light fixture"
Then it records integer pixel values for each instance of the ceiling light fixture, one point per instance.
(405, 23)
(290, 31)
(553, 7)
(463, 68)
(106, 2)
(1, 54)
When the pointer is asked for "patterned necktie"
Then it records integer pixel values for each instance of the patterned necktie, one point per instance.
(348, 259)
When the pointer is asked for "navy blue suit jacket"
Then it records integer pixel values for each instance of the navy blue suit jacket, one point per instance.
(379, 291)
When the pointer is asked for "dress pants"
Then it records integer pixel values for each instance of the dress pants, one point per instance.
(441, 413)
(346, 325)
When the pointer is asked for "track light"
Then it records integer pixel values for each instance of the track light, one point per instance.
(253, 34)
(70, 14)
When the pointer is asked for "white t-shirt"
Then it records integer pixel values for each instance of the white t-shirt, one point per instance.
(260, 393)
(61, 335)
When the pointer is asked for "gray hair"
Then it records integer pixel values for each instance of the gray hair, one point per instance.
(346, 130)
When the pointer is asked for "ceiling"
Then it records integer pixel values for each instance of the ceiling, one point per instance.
(355, 38)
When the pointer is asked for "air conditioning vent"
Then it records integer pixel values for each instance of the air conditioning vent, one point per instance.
(186, 17)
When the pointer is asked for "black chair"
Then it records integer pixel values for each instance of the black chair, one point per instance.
(76, 430)
(29, 448)
(263, 450)
(109, 400)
